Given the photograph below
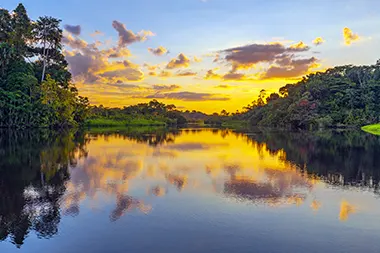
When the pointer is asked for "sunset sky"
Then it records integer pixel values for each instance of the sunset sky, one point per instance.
(206, 55)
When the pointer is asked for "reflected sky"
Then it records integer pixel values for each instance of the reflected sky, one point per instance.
(228, 191)
(217, 162)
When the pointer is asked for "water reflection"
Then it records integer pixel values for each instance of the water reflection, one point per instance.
(340, 158)
(34, 169)
(48, 176)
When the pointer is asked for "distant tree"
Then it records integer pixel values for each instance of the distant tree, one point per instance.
(224, 113)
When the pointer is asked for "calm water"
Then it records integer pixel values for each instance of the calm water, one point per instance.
(189, 190)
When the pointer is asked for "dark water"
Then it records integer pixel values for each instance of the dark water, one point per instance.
(190, 190)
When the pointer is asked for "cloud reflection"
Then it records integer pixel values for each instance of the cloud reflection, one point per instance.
(346, 209)
(125, 203)
(121, 166)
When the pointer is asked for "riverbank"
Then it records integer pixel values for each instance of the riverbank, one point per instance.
(235, 124)
(122, 123)
(372, 129)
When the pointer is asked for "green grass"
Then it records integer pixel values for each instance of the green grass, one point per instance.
(105, 123)
(122, 123)
(145, 122)
(372, 129)
(127, 129)
(235, 124)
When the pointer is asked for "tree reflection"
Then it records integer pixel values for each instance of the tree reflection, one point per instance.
(340, 158)
(43, 175)
(33, 169)
(153, 136)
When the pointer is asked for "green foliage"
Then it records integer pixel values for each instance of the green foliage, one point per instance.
(235, 124)
(153, 113)
(343, 96)
(372, 129)
(27, 98)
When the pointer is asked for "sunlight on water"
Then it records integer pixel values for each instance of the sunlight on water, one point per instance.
(221, 163)
(190, 183)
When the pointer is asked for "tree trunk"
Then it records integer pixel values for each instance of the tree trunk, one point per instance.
(43, 71)
(44, 56)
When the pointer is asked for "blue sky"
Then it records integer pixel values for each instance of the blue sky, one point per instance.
(197, 28)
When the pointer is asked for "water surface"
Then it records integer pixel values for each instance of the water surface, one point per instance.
(189, 190)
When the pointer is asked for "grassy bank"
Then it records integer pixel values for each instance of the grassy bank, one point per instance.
(122, 123)
(127, 129)
(372, 129)
(235, 124)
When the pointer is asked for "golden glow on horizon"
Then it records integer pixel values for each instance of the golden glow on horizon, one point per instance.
(105, 73)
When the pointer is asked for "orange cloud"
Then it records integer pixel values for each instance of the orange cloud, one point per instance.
(182, 61)
(151, 67)
(89, 64)
(229, 76)
(74, 43)
(299, 45)
(318, 41)
(158, 51)
(127, 74)
(234, 76)
(246, 57)
(185, 73)
(117, 52)
(196, 59)
(210, 75)
(130, 64)
(223, 86)
(96, 33)
(349, 36)
(290, 68)
(165, 74)
(127, 37)
(188, 96)
(164, 87)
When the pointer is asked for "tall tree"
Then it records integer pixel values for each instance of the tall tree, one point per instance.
(48, 35)
(6, 55)
(21, 31)
(5, 25)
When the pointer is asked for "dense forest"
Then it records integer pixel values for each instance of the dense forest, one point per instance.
(152, 113)
(35, 84)
(343, 96)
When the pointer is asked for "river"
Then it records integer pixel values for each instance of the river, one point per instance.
(189, 190)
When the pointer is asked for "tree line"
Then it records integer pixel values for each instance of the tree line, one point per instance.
(35, 85)
(343, 96)
(153, 111)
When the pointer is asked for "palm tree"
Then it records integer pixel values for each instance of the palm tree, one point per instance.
(48, 34)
